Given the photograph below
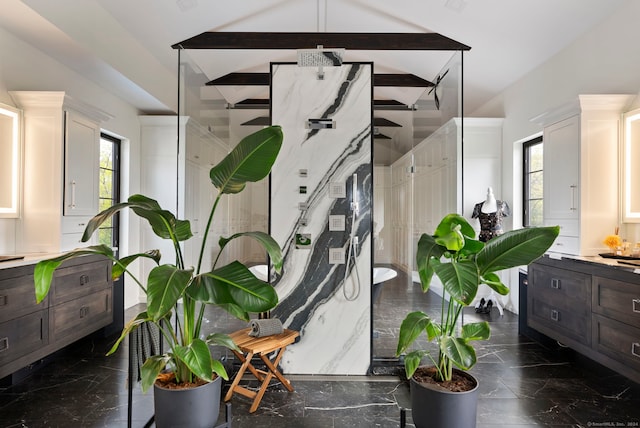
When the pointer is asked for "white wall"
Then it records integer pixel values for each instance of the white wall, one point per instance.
(604, 60)
(25, 68)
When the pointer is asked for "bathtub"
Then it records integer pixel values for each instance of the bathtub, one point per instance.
(380, 275)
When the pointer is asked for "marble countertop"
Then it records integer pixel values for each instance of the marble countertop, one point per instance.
(26, 259)
(614, 263)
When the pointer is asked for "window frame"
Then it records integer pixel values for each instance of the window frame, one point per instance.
(526, 173)
(115, 192)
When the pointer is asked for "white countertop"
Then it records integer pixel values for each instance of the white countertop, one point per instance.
(28, 259)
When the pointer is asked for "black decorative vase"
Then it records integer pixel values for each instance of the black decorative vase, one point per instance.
(435, 407)
(189, 408)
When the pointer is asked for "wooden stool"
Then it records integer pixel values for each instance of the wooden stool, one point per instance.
(260, 346)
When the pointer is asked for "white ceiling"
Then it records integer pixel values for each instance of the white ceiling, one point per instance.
(125, 45)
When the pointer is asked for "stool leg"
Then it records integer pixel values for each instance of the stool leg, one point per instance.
(273, 368)
(246, 361)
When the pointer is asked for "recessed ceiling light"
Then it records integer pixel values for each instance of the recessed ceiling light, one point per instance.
(457, 5)
(185, 5)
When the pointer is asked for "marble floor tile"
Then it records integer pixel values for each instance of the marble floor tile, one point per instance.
(523, 384)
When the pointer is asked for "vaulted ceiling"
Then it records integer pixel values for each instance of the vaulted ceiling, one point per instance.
(126, 45)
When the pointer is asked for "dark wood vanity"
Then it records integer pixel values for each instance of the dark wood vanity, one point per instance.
(79, 303)
(592, 307)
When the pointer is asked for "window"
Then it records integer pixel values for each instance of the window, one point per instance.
(109, 188)
(533, 188)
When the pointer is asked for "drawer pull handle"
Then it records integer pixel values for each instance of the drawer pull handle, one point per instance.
(73, 194)
(3, 300)
(555, 283)
(4, 344)
(84, 311)
(555, 315)
(84, 279)
(635, 349)
(636, 305)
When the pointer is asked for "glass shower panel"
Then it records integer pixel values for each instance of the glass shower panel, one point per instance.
(413, 190)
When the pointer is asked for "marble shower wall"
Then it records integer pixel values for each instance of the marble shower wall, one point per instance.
(311, 181)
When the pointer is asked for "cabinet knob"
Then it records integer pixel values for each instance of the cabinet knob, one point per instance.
(84, 279)
(4, 344)
(3, 300)
(635, 349)
(84, 311)
(555, 283)
(555, 315)
(635, 305)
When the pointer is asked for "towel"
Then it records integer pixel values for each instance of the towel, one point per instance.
(265, 327)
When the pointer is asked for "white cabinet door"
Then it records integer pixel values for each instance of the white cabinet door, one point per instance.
(562, 169)
(81, 166)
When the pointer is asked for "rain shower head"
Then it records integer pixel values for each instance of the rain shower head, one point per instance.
(320, 58)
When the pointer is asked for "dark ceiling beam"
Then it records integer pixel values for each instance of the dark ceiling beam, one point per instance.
(381, 121)
(263, 103)
(258, 121)
(400, 80)
(379, 80)
(266, 121)
(352, 41)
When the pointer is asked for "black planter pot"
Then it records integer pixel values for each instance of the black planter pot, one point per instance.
(189, 408)
(435, 407)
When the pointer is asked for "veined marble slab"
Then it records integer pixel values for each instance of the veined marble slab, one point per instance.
(332, 314)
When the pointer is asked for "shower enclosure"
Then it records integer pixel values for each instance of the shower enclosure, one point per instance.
(372, 186)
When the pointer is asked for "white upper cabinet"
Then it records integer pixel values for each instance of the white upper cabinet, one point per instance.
(561, 169)
(82, 165)
(581, 171)
(61, 170)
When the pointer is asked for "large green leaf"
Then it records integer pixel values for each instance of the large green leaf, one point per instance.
(234, 285)
(267, 242)
(476, 331)
(453, 221)
(494, 281)
(120, 265)
(412, 326)
(221, 339)
(165, 286)
(515, 248)
(251, 160)
(44, 269)
(427, 249)
(197, 357)
(163, 222)
(412, 362)
(459, 351)
(141, 318)
(151, 369)
(459, 279)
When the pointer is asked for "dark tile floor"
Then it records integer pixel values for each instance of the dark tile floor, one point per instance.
(523, 384)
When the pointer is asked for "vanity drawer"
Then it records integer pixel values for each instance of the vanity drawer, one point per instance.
(560, 287)
(574, 323)
(18, 298)
(23, 335)
(617, 340)
(77, 318)
(559, 301)
(617, 300)
(83, 279)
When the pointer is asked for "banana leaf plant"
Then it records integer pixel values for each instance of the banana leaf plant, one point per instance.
(462, 263)
(232, 287)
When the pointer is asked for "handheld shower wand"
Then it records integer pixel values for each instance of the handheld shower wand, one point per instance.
(353, 244)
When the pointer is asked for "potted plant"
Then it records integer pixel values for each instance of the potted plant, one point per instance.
(232, 287)
(461, 263)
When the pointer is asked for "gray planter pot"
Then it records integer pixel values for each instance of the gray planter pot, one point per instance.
(434, 407)
(189, 408)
